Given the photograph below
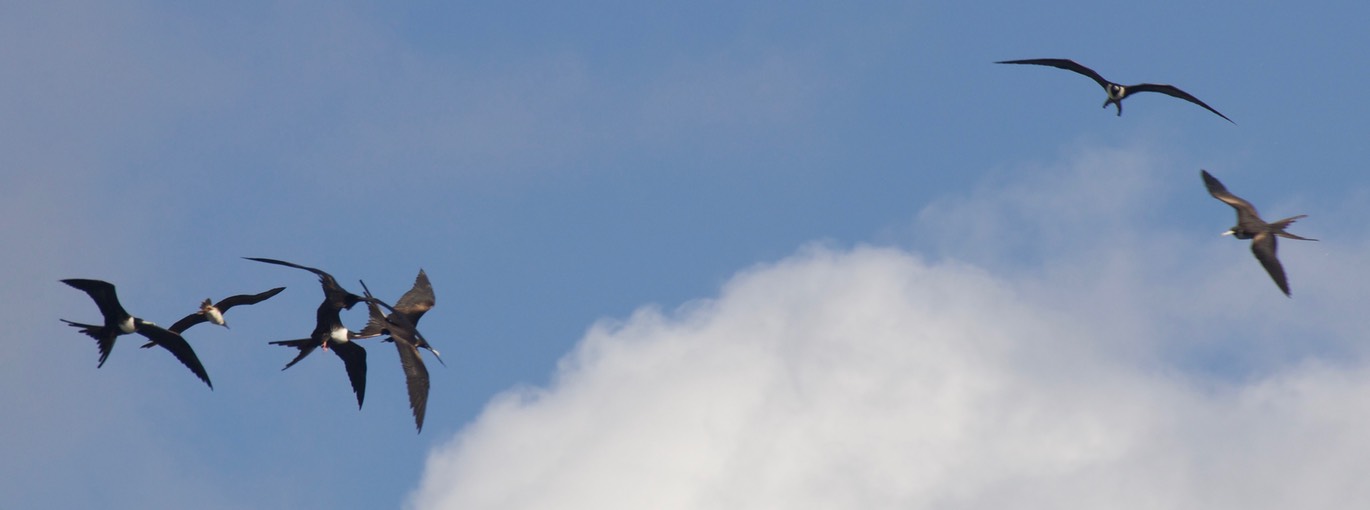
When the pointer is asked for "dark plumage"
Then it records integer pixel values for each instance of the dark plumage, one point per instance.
(334, 295)
(412, 305)
(214, 313)
(1251, 226)
(407, 340)
(329, 331)
(119, 322)
(1116, 92)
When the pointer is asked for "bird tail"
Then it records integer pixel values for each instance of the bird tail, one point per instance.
(305, 345)
(375, 323)
(435, 354)
(89, 329)
(102, 341)
(1279, 227)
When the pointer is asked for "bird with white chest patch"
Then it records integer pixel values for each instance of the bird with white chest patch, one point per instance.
(329, 331)
(118, 322)
(1251, 226)
(1116, 91)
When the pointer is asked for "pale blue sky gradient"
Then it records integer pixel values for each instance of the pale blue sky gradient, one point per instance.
(551, 165)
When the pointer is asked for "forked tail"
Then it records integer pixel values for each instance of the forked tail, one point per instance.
(305, 345)
(1279, 226)
(102, 341)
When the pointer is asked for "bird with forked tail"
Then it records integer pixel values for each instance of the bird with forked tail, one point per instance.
(1251, 226)
(118, 322)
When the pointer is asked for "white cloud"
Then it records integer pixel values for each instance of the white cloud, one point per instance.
(872, 378)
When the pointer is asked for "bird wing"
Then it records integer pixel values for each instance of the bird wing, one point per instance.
(246, 299)
(417, 300)
(1172, 91)
(415, 378)
(332, 291)
(324, 278)
(287, 264)
(1062, 63)
(396, 324)
(1263, 246)
(103, 294)
(178, 346)
(354, 360)
(1245, 211)
(186, 322)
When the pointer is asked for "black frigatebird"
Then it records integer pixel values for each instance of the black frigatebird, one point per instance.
(1251, 226)
(329, 331)
(407, 340)
(412, 305)
(1116, 92)
(119, 322)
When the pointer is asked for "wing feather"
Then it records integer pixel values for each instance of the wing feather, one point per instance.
(1263, 247)
(1062, 63)
(178, 346)
(1245, 211)
(354, 360)
(1172, 91)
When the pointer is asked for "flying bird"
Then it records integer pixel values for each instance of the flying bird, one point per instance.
(329, 331)
(407, 340)
(412, 305)
(1116, 92)
(214, 313)
(119, 322)
(334, 296)
(1251, 226)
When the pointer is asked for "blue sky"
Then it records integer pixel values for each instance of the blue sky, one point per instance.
(615, 200)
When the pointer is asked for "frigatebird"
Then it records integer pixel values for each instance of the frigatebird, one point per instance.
(412, 305)
(1116, 91)
(119, 322)
(407, 340)
(329, 331)
(214, 313)
(334, 296)
(1251, 226)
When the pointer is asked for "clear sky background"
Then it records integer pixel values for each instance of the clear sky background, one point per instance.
(701, 256)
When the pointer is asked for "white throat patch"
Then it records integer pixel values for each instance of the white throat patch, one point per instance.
(338, 334)
(214, 316)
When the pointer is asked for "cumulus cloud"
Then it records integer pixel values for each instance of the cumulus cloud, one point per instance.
(873, 377)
